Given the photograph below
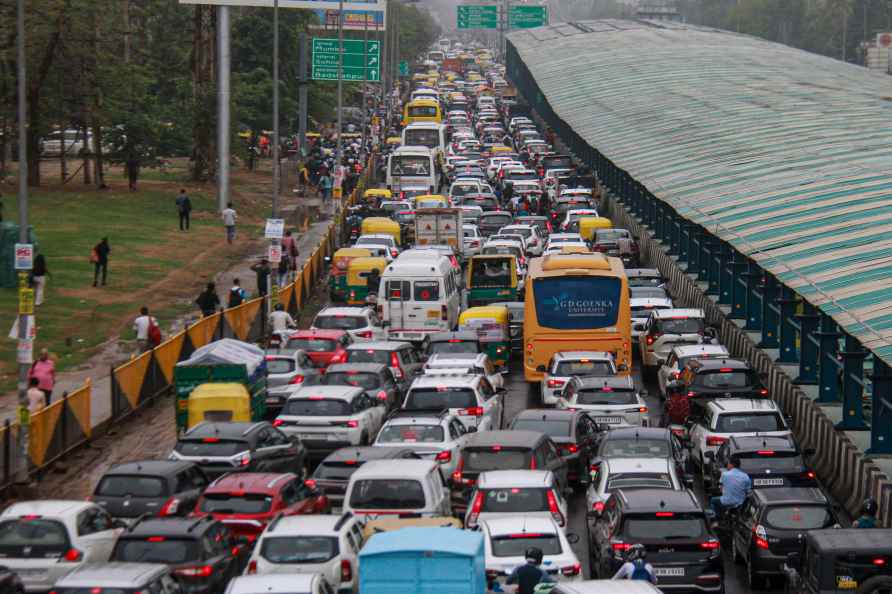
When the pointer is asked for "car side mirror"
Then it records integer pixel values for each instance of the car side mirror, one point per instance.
(572, 537)
(541, 369)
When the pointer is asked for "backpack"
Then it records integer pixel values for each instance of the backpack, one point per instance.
(236, 296)
(154, 334)
(640, 572)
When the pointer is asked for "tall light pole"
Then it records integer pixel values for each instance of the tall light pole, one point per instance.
(21, 468)
(337, 164)
(222, 106)
(275, 207)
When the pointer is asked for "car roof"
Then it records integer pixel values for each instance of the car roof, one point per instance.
(315, 524)
(576, 355)
(375, 469)
(366, 367)
(797, 495)
(419, 417)
(692, 350)
(51, 508)
(365, 453)
(463, 335)
(229, 430)
(643, 273)
(498, 479)
(267, 483)
(346, 393)
(346, 311)
(273, 583)
(112, 575)
(153, 467)
(655, 500)
(457, 381)
(168, 526)
(732, 405)
(678, 312)
(505, 437)
(644, 433)
(645, 301)
(378, 345)
(712, 363)
(320, 333)
(518, 524)
(753, 443)
(852, 540)
(642, 465)
(585, 382)
(446, 359)
(547, 414)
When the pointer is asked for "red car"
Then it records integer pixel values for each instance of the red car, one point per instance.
(324, 347)
(247, 502)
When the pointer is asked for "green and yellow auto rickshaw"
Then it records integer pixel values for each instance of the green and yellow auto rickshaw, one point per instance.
(491, 278)
(490, 322)
(357, 278)
(337, 276)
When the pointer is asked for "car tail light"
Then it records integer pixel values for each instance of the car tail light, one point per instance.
(170, 507)
(364, 334)
(278, 422)
(395, 366)
(571, 570)
(310, 484)
(879, 561)
(346, 571)
(445, 456)
(72, 555)
(598, 507)
(252, 568)
(691, 394)
(570, 448)
(555, 383)
(715, 440)
(809, 474)
(763, 392)
(456, 475)
(244, 460)
(642, 409)
(198, 571)
(444, 313)
(474, 411)
(710, 545)
(297, 379)
(553, 508)
(340, 357)
(619, 546)
(476, 506)
(652, 338)
(381, 395)
(760, 536)
(352, 424)
(393, 252)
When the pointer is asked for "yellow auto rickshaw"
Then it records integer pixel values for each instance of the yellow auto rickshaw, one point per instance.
(357, 278)
(381, 226)
(393, 141)
(390, 524)
(337, 277)
(223, 403)
(374, 196)
(431, 201)
(588, 226)
(490, 322)
(491, 278)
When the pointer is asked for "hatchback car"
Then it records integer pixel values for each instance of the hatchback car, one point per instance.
(769, 461)
(403, 359)
(334, 472)
(506, 540)
(670, 371)
(324, 347)
(284, 370)
(503, 493)
(612, 401)
(646, 442)
(452, 343)
(491, 221)
(574, 433)
(565, 365)
(609, 475)
(435, 435)
(120, 578)
(470, 397)
(156, 487)
(411, 488)
(476, 363)
(360, 322)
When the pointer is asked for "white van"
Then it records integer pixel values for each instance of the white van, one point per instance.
(429, 134)
(418, 296)
(412, 487)
(413, 166)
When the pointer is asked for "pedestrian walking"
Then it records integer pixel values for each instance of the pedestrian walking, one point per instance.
(325, 185)
(262, 270)
(99, 257)
(283, 269)
(229, 218)
(184, 208)
(208, 301)
(147, 331)
(237, 294)
(44, 371)
(36, 398)
(38, 278)
(289, 248)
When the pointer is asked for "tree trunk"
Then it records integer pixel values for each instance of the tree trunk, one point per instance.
(63, 163)
(203, 59)
(35, 84)
(97, 151)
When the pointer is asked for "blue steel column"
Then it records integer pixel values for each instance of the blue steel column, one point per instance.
(809, 320)
(738, 288)
(684, 240)
(713, 266)
(828, 376)
(753, 277)
(703, 259)
(852, 388)
(787, 333)
(674, 234)
(770, 292)
(694, 235)
(881, 421)
(726, 274)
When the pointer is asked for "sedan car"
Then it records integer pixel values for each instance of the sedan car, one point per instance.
(506, 540)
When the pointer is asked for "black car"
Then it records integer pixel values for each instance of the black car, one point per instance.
(771, 524)
(647, 442)
(219, 448)
(718, 378)
(375, 378)
(201, 552)
(645, 277)
(573, 432)
(674, 529)
(157, 487)
(850, 559)
(769, 461)
(450, 343)
(334, 472)
(491, 221)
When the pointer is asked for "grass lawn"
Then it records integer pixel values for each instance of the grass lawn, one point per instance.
(151, 263)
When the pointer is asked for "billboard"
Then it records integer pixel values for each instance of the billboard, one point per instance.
(323, 5)
(354, 20)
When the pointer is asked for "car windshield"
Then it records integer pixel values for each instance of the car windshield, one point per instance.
(680, 326)
(119, 485)
(366, 381)
(491, 272)
(583, 367)
(632, 480)
(514, 500)
(339, 322)
(368, 356)
(34, 538)
(635, 448)
(798, 517)
(317, 407)
(605, 396)
(552, 428)
(495, 219)
(413, 433)
(211, 447)
(303, 549)
(769, 461)
(235, 503)
(737, 378)
(666, 527)
(440, 398)
(610, 235)
(387, 494)
(409, 165)
(156, 549)
(749, 423)
(496, 458)
(647, 293)
(451, 347)
(516, 545)
(313, 345)
(280, 365)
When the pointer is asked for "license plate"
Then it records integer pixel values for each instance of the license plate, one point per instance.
(273, 400)
(669, 571)
(609, 420)
(772, 482)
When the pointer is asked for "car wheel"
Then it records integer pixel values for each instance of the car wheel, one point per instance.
(753, 580)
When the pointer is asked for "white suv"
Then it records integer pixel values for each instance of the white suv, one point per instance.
(567, 364)
(470, 397)
(668, 328)
(326, 418)
(641, 308)
(628, 473)
(478, 363)
(361, 323)
(378, 241)
(670, 371)
(535, 244)
(43, 541)
(411, 487)
(506, 540)
(432, 436)
(321, 544)
(504, 493)
(611, 401)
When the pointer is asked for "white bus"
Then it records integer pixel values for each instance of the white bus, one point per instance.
(429, 134)
(413, 166)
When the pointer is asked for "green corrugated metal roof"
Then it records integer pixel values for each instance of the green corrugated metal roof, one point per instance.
(786, 155)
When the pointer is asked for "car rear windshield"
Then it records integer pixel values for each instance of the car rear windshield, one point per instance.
(647, 293)
(366, 381)
(514, 500)
(665, 527)
(552, 428)
(644, 312)
(35, 538)
(411, 433)
(119, 485)
(516, 545)
(303, 549)
(368, 356)
(738, 378)
(321, 407)
(387, 494)
(680, 326)
(236, 503)
(495, 219)
(633, 480)
(610, 235)
(598, 396)
(156, 549)
(557, 162)
(583, 367)
(453, 347)
(313, 345)
(749, 423)
(211, 447)
(280, 365)
(440, 398)
(496, 458)
(798, 517)
(635, 448)
(339, 322)
(771, 461)
(337, 469)
(525, 231)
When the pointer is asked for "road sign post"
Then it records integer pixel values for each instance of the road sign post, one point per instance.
(361, 59)
(477, 16)
(527, 16)
(404, 68)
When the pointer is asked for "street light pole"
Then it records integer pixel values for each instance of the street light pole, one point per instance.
(275, 207)
(21, 467)
(337, 164)
(223, 62)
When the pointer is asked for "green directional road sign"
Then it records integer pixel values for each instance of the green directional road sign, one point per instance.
(359, 63)
(477, 16)
(404, 68)
(526, 17)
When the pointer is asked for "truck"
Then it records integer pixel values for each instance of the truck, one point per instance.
(455, 65)
(440, 226)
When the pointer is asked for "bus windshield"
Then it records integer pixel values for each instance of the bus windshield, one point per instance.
(410, 165)
(422, 137)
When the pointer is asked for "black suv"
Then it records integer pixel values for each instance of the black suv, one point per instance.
(219, 448)
(770, 462)
(647, 442)
(334, 472)
(375, 378)
(718, 378)
(202, 553)
(573, 432)
(770, 525)
(158, 487)
(852, 559)
(674, 529)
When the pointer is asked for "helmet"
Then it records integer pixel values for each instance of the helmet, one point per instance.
(534, 554)
(869, 507)
(637, 551)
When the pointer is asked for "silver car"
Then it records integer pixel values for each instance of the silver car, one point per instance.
(285, 370)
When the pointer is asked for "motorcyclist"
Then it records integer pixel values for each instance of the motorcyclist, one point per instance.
(736, 485)
(280, 321)
(529, 575)
(868, 517)
(636, 566)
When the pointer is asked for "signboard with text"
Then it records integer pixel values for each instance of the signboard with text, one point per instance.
(24, 256)
(477, 16)
(360, 61)
(527, 16)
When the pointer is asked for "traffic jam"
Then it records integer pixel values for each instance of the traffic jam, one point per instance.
(499, 396)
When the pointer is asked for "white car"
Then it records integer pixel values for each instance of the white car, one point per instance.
(311, 544)
(670, 371)
(556, 239)
(641, 308)
(383, 488)
(375, 242)
(472, 240)
(506, 493)
(505, 541)
(43, 541)
(326, 418)
(463, 186)
(574, 214)
(509, 236)
(477, 363)
(570, 245)
(361, 323)
(565, 365)
(612, 401)
(494, 163)
(470, 397)
(666, 329)
(294, 583)
(432, 436)
(535, 243)
(629, 473)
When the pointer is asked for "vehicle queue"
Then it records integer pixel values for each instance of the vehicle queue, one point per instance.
(485, 252)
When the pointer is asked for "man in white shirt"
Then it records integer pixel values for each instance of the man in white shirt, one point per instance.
(229, 218)
(280, 320)
(141, 327)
